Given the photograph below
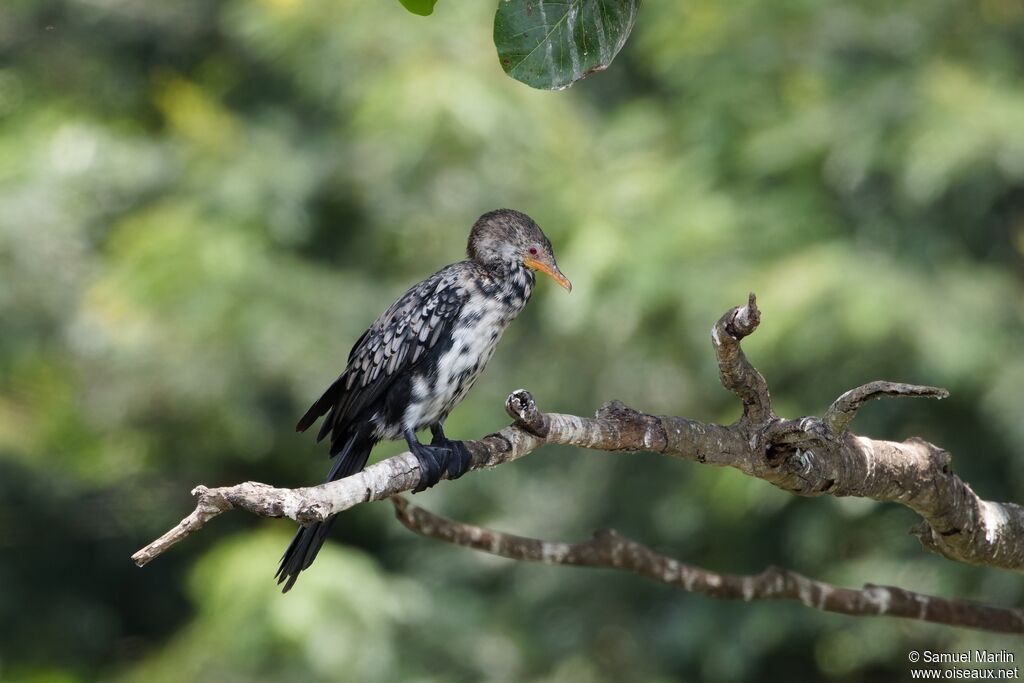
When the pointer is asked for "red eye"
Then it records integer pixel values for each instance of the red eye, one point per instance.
(533, 251)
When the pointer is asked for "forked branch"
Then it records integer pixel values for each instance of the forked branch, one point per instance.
(808, 456)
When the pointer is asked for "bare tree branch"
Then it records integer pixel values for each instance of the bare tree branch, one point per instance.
(809, 456)
(845, 408)
(735, 371)
(610, 549)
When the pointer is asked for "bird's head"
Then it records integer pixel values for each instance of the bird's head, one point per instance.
(512, 238)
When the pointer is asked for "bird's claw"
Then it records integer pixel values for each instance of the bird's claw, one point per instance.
(432, 460)
(460, 459)
(442, 456)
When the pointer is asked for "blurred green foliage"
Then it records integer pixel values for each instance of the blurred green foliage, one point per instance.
(202, 205)
(423, 8)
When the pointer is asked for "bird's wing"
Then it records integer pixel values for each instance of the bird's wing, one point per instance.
(396, 342)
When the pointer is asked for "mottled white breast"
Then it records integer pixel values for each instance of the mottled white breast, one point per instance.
(475, 336)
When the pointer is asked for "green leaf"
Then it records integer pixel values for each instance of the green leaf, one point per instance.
(551, 45)
(421, 7)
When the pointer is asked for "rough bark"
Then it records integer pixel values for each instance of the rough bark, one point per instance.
(611, 550)
(808, 456)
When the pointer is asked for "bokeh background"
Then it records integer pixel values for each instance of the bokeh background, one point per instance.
(203, 204)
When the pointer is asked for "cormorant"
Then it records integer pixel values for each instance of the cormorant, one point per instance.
(420, 358)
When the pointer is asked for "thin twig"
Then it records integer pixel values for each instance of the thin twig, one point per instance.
(845, 408)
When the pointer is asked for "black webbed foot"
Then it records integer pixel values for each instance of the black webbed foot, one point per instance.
(433, 461)
(460, 459)
(459, 463)
(442, 456)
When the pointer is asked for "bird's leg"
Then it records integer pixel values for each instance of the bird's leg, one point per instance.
(437, 434)
(433, 460)
(461, 458)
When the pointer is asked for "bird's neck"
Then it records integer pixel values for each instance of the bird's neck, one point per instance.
(514, 279)
(522, 280)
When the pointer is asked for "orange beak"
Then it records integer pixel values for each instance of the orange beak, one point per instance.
(551, 271)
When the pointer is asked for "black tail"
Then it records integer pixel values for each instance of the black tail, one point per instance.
(322, 405)
(308, 540)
